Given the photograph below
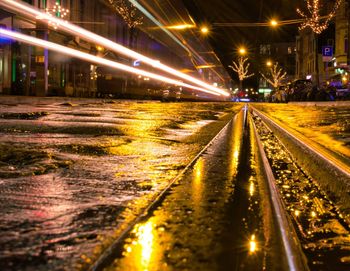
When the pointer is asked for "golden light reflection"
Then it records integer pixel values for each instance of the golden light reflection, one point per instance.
(236, 144)
(141, 250)
(252, 244)
(197, 184)
(297, 213)
(251, 188)
(146, 241)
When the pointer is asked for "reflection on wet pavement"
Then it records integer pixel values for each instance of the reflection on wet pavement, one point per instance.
(208, 221)
(72, 174)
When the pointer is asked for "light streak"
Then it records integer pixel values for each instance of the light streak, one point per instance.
(95, 59)
(92, 37)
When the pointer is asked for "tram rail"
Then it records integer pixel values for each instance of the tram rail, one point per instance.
(309, 229)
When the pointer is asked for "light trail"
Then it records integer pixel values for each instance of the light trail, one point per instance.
(95, 59)
(29, 11)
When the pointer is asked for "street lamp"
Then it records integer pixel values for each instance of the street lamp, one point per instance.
(268, 63)
(273, 23)
(242, 51)
(204, 30)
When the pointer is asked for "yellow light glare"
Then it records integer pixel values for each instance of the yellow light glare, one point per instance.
(252, 244)
(273, 23)
(268, 63)
(242, 51)
(180, 26)
(205, 66)
(204, 30)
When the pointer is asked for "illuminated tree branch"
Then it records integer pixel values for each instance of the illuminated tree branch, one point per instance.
(275, 76)
(315, 20)
(128, 12)
(241, 68)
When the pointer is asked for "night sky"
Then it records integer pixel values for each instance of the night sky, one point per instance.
(226, 40)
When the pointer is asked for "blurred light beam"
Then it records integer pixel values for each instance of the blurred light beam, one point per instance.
(95, 59)
(27, 10)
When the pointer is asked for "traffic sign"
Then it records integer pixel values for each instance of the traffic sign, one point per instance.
(327, 53)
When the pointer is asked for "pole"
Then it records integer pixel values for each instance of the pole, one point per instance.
(317, 72)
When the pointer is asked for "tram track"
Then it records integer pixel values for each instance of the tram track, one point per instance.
(303, 229)
(317, 218)
(115, 248)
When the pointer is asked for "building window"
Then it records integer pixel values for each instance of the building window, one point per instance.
(289, 50)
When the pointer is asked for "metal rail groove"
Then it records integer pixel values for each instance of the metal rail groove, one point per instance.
(99, 264)
(291, 245)
(332, 174)
(336, 164)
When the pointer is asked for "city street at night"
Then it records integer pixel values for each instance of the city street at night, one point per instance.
(174, 135)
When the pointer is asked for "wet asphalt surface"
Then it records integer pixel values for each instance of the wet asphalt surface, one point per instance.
(209, 220)
(73, 174)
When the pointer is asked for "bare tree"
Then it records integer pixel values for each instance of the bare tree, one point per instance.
(275, 76)
(242, 69)
(315, 20)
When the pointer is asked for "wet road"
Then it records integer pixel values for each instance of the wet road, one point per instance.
(74, 174)
(210, 220)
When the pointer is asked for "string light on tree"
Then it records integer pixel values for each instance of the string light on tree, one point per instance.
(317, 22)
(275, 76)
(56, 11)
(128, 12)
(242, 69)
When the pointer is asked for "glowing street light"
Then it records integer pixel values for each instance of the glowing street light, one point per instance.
(204, 30)
(242, 51)
(273, 23)
(268, 63)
